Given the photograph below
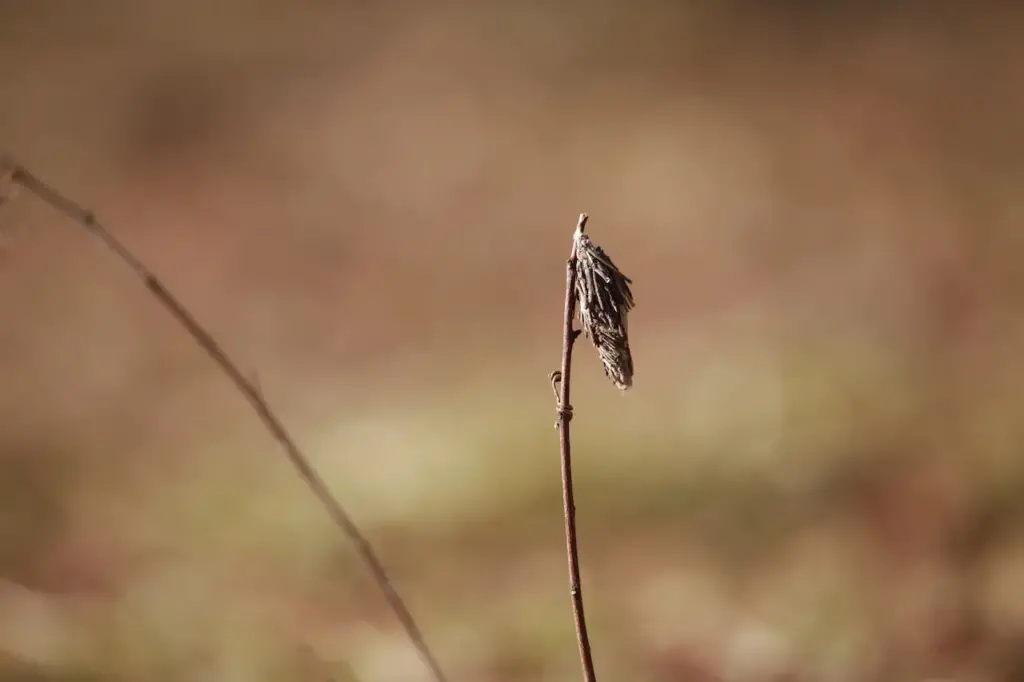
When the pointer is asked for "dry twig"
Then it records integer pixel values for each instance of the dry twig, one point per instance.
(249, 389)
(604, 298)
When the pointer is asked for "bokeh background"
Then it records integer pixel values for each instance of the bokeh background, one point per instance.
(818, 475)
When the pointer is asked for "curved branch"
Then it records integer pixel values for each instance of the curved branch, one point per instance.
(87, 219)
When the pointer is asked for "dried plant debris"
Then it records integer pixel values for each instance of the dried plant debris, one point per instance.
(604, 300)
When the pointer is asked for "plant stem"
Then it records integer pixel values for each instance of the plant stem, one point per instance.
(251, 392)
(561, 383)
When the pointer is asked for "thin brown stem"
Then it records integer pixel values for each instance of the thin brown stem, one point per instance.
(252, 394)
(561, 380)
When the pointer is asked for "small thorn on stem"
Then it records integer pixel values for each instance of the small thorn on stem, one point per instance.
(564, 411)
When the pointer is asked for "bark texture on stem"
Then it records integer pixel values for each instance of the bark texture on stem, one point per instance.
(561, 382)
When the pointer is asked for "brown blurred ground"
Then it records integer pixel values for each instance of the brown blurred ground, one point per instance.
(817, 476)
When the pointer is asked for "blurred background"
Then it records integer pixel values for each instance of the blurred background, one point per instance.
(817, 476)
